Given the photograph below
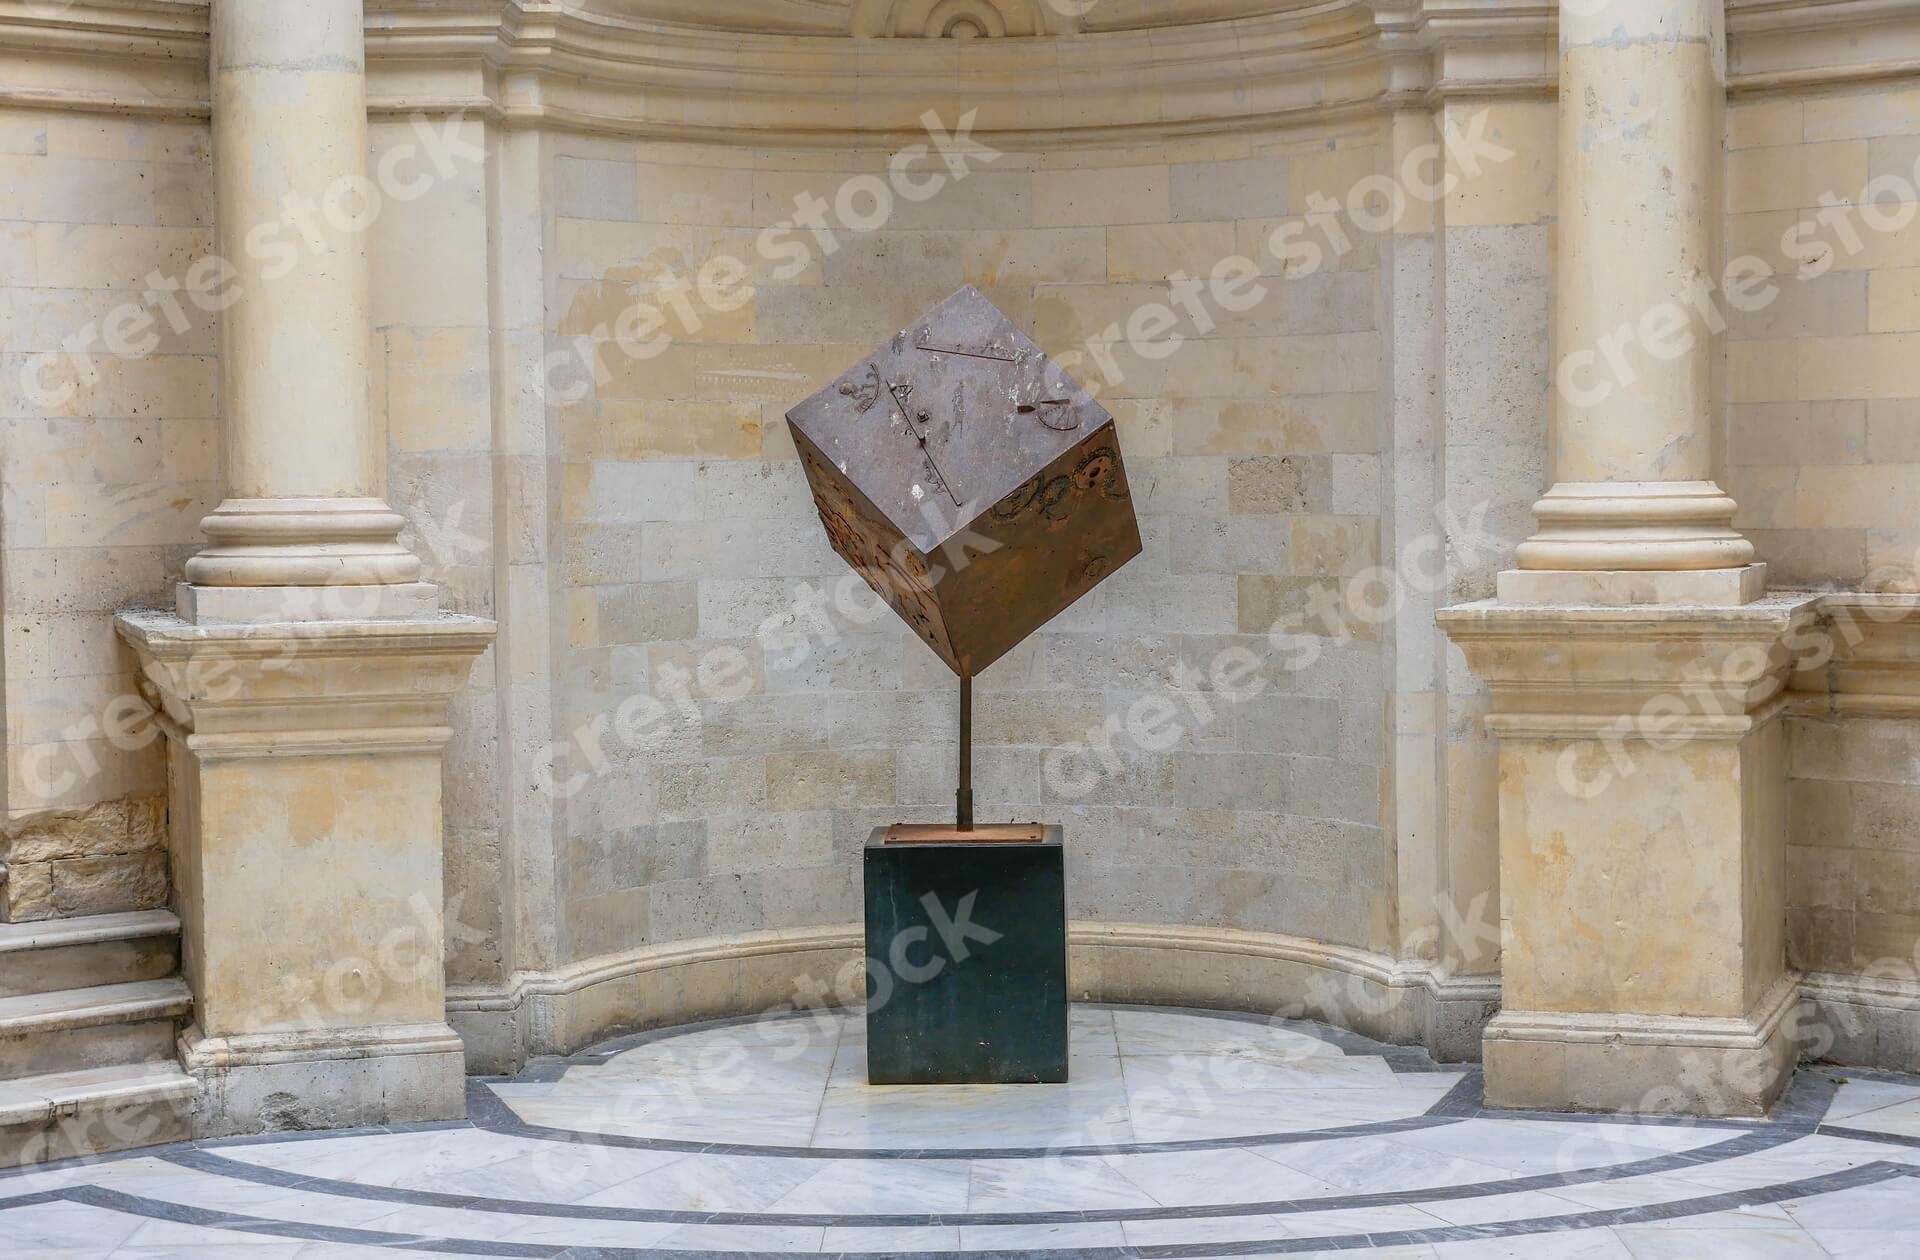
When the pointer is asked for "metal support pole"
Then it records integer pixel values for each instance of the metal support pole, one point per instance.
(963, 799)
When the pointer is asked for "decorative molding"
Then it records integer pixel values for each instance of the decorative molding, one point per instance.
(1556, 672)
(569, 1008)
(1870, 1021)
(1635, 1063)
(1752, 1031)
(305, 689)
(1777, 45)
(1863, 658)
(789, 71)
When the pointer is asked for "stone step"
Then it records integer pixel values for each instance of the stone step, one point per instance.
(102, 1026)
(60, 1115)
(97, 949)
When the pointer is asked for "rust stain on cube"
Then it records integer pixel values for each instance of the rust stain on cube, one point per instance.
(969, 480)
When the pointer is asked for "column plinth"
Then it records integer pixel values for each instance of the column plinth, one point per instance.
(1634, 660)
(303, 680)
(1643, 798)
(305, 818)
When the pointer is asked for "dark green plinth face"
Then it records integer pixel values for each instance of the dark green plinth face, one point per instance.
(967, 962)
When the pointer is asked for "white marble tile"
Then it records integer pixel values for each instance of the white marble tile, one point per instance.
(750, 1119)
(421, 1160)
(1232, 1080)
(864, 1187)
(804, 1239)
(564, 1172)
(973, 1117)
(1216, 1176)
(1053, 1185)
(720, 1183)
(1375, 1165)
(1582, 1244)
(1042, 1238)
(219, 1245)
(489, 1226)
(1218, 1229)
(1663, 1242)
(886, 1241)
(1889, 1205)
(75, 1225)
(1532, 1147)
(1858, 1097)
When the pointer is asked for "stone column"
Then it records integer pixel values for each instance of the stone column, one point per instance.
(304, 530)
(1634, 515)
(1634, 662)
(303, 680)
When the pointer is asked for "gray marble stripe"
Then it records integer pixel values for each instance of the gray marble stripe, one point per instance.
(1744, 1144)
(1866, 1174)
(1810, 1095)
(1869, 1135)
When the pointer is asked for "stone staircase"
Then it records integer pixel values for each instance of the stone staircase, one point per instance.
(89, 1010)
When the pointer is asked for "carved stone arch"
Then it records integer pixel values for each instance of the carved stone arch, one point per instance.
(954, 19)
(964, 19)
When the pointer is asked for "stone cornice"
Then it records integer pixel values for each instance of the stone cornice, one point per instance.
(1557, 672)
(548, 63)
(309, 689)
(1776, 44)
(1869, 659)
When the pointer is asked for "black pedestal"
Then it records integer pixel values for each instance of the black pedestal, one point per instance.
(967, 957)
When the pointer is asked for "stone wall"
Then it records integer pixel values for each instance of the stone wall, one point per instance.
(434, 395)
(1823, 454)
(1823, 446)
(1854, 851)
(105, 476)
(1255, 457)
(103, 860)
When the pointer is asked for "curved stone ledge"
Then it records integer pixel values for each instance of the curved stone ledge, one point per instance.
(562, 1011)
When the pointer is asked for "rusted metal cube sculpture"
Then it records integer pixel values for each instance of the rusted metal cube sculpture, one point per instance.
(969, 480)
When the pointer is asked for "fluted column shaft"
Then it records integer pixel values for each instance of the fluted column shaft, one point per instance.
(304, 474)
(1642, 94)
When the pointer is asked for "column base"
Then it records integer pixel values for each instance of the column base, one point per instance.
(254, 605)
(1649, 526)
(1625, 588)
(258, 605)
(1643, 1064)
(332, 1079)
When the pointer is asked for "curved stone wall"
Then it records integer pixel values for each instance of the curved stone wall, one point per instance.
(690, 550)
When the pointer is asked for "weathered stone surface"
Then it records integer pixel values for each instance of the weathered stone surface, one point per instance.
(123, 826)
(108, 885)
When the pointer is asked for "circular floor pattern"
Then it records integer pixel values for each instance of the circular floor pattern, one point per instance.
(1182, 1134)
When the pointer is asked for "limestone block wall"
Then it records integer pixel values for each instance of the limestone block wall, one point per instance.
(1823, 455)
(434, 395)
(1494, 328)
(1255, 454)
(1823, 427)
(107, 462)
(1854, 849)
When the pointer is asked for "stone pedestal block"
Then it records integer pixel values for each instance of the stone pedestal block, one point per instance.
(966, 957)
(1643, 776)
(304, 777)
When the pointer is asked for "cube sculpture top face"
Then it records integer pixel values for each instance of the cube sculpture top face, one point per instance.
(973, 485)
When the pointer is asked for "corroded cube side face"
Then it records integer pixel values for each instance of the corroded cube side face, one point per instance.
(970, 481)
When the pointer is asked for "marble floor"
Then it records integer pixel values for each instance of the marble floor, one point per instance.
(1182, 1134)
